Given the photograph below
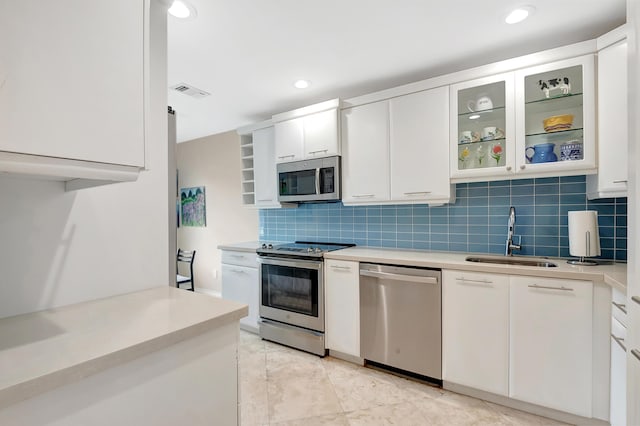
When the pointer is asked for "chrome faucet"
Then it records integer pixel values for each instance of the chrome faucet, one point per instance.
(510, 246)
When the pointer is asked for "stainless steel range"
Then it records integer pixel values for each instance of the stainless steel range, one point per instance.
(292, 293)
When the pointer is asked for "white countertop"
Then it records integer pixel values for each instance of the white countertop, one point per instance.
(614, 274)
(44, 350)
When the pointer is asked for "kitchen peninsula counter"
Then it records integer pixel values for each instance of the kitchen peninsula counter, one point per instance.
(45, 351)
(613, 274)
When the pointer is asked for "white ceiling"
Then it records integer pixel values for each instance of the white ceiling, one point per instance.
(248, 53)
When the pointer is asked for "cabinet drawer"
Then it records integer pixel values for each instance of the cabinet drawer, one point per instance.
(618, 306)
(239, 258)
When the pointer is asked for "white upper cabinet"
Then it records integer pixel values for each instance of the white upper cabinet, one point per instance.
(289, 135)
(538, 122)
(365, 163)
(321, 134)
(72, 84)
(482, 128)
(396, 151)
(419, 137)
(555, 118)
(264, 168)
(310, 132)
(613, 138)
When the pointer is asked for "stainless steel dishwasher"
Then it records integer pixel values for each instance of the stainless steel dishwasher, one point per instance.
(400, 318)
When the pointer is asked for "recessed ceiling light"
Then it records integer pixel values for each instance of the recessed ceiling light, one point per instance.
(519, 14)
(302, 84)
(183, 10)
(474, 117)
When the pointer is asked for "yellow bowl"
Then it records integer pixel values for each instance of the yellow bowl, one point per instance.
(557, 122)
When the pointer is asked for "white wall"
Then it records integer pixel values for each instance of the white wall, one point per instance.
(214, 162)
(59, 248)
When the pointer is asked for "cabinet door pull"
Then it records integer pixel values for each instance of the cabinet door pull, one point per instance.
(620, 181)
(363, 196)
(417, 193)
(636, 353)
(320, 150)
(562, 288)
(282, 157)
(522, 167)
(237, 256)
(636, 299)
(508, 168)
(619, 340)
(265, 199)
(238, 271)
(466, 280)
(341, 268)
(620, 306)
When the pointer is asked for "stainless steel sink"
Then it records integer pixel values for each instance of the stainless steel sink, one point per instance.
(507, 260)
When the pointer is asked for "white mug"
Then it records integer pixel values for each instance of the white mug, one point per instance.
(490, 133)
(483, 103)
(468, 136)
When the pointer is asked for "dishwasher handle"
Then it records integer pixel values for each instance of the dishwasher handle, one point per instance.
(399, 277)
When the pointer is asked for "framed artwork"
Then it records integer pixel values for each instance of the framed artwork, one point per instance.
(192, 201)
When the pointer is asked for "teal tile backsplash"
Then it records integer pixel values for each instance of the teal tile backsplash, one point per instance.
(477, 222)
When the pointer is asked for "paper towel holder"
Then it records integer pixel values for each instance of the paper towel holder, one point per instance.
(584, 238)
(582, 261)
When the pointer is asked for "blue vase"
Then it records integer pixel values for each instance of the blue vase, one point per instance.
(541, 153)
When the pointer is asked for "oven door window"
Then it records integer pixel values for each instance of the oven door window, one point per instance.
(302, 182)
(290, 289)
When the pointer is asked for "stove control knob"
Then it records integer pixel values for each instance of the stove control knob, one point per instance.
(270, 246)
(309, 249)
(264, 246)
(318, 250)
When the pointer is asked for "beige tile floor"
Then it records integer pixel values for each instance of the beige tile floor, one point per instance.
(286, 387)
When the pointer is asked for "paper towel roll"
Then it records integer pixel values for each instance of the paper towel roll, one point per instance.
(584, 239)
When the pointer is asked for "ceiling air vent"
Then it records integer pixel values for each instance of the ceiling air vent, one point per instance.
(194, 92)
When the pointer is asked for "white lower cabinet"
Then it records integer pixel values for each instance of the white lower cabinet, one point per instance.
(240, 283)
(551, 361)
(528, 338)
(618, 399)
(619, 342)
(342, 306)
(475, 330)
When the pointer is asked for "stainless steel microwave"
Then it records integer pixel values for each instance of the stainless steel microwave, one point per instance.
(309, 180)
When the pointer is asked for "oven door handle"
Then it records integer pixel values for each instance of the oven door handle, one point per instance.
(294, 263)
(317, 180)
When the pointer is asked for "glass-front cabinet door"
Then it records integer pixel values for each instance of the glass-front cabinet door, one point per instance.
(482, 141)
(555, 118)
